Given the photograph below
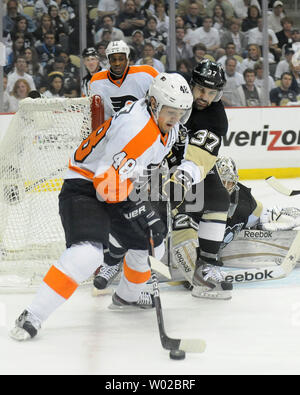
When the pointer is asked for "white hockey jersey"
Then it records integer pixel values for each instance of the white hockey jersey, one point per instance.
(133, 86)
(117, 155)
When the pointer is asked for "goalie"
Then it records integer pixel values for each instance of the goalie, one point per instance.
(244, 212)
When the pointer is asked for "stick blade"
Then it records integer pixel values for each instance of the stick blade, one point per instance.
(275, 184)
(192, 345)
(159, 267)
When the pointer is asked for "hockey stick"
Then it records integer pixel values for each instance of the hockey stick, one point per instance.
(275, 184)
(188, 345)
(271, 272)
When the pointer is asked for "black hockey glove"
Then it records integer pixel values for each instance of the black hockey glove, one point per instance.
(176, 187)
(141, 217)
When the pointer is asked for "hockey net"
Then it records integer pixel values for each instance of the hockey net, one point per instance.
(34, 155)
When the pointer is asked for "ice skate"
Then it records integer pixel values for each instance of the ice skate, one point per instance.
(27, 327)
(106, 275)
(145, 301)
(209, 282)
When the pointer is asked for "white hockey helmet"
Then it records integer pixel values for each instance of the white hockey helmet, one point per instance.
(171, 89)
(117, 47)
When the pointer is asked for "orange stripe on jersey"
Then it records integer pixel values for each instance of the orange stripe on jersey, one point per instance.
(101, 75)
(134, 276)
(62, 284)
(109, 184)
(143, 69)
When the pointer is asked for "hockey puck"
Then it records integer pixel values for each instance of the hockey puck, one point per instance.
(177, 354)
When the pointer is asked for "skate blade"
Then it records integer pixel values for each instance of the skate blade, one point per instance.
(199, 292)
(19, 334)
(98, 292)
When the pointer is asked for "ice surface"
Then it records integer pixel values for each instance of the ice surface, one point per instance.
(257, 332)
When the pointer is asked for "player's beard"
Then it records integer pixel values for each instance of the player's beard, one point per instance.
(200, 104)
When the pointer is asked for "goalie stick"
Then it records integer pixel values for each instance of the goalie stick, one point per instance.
(268, 272)
(168, 343)
(275, 184)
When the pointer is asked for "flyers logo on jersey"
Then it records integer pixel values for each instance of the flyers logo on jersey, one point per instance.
(121, 101)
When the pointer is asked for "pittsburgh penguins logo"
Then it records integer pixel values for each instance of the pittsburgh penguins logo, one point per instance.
(121, 101)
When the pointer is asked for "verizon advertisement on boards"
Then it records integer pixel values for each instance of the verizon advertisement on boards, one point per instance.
(258, 138)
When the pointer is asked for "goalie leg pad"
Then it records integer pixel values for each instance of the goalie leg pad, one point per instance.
(185, 243)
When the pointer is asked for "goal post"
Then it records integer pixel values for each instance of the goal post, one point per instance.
(34, 154)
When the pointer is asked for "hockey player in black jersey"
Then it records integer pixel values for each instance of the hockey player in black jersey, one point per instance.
(204, 130)
(92, 64)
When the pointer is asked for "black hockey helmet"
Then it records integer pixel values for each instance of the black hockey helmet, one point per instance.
(209, 74)
(91, 51)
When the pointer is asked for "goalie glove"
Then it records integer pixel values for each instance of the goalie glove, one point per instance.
(176, 187)
(277, 219)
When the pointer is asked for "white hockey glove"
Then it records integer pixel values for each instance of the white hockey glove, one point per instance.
(279, 219)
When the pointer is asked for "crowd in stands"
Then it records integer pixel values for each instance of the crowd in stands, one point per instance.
(42, 44)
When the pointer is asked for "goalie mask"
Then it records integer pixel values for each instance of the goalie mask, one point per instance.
(171, 90)
(227, 171)
(210, 75)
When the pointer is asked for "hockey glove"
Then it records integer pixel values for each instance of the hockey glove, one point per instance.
(141, 217)
(176, 187)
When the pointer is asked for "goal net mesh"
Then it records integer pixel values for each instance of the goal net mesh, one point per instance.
(34, 154)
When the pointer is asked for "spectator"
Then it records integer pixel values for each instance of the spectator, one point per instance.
(284, 65)
(149, 51)
(71, 80)
(61, 28)
(137, 44)
(230, 51)
(34, 68)
(251, 21)
(157, 39)
(275, 16)
(100, 48)
(255, 35)
(17, 49)
(207, 35)
(295, 71)
(192, 19)
(148, 9)
(108, 7)
(259, 80)
(254, 55)
(184, 4)
(162, 17)
(235, 35)
(55, 85)
(179, 21)
(20, 90)
(225, 4)
(19, 73)
(220, 22)
(48, 50)
(249, 94)
(234, 79)
(9, 20)
(295, 43)
(241, 7)
(107, 23)
(283, 94)
(183, 50)
(130, 19)
(284, 36)
(41, 7)
(21, 26)
(183, 67)
(45, 26)
(199, 53)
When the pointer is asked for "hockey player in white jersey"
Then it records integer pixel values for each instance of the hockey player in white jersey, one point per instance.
(121, 84)
(96, 207)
